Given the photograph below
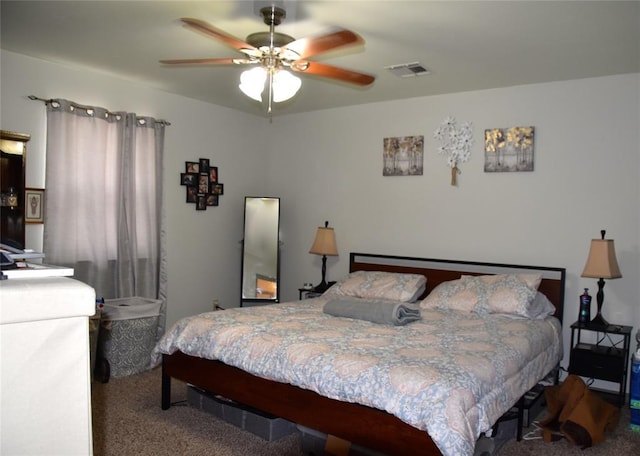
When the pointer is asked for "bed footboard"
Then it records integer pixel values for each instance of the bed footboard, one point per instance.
(355, 423)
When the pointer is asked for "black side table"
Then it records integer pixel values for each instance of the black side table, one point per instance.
(308, 293)
(606, 359)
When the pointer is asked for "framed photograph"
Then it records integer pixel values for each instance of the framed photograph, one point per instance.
(217, 189)
(192, 195)
(212, 200)
(192, 167)
(204, 165)
(213, 174)
(188, 179)
(203, 183)
(34, 205)
(201, 204)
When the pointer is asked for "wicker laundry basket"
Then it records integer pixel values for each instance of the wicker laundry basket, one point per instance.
(128, 334)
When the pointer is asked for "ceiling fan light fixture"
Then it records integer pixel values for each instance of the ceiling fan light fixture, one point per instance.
(273, 53)
(252, 82)
(285, 84)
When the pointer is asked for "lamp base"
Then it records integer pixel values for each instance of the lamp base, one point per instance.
(321, 287)
(599, 321)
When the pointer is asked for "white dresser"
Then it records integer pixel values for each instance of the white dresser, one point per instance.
(45, 386)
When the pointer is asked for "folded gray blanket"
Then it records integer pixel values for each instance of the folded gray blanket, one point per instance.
(382, 312)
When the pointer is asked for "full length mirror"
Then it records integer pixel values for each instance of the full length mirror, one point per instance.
(261, 252)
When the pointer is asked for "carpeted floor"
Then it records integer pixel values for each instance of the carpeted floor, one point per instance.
(621, 442)
(128, 420)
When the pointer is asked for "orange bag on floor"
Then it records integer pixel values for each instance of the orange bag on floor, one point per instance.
(577, 414)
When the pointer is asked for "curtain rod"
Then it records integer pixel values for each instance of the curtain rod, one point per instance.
(77, 105)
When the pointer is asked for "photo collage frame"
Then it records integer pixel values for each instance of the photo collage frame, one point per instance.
(203, 187)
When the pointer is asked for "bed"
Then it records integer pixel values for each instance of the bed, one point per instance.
(351, 394)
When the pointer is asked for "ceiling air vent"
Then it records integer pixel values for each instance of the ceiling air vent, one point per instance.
(408, 70)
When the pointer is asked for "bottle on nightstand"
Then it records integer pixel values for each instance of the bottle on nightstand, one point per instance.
(585, 307)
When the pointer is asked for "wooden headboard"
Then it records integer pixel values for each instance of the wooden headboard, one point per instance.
(437, 271)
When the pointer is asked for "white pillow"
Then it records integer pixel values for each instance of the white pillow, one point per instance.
(540, 307)
(391, 286)
(500, 293)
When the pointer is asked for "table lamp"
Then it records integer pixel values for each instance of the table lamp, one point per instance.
(601, 264)
(324, 244)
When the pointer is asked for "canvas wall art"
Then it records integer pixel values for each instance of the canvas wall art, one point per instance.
(403, 156)
(508, 149)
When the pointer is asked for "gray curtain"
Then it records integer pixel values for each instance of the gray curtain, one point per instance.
(104, 200)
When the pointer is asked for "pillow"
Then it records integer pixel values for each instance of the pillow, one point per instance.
(531, 280)
(391, 286)
(452, 295)
(501, 293)
(540, 307)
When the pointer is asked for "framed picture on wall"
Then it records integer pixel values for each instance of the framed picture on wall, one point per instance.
(212, 200)
(508, 149)
(201, 204)
(192, 167)
(192, 195)
(201, 182)
(34, 205)
(217, 189)
(189, 179)
(403, 156)
(213, 174)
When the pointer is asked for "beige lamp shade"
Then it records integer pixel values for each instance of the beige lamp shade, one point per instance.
(325, 242)
(602, 262)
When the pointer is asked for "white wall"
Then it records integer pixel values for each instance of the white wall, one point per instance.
(203, 246)
(327, 165)
(587, 162)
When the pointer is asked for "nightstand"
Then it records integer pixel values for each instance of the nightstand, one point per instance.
(308, 293)
(606, 359)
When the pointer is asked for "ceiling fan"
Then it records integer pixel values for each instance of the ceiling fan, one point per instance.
(273, 53)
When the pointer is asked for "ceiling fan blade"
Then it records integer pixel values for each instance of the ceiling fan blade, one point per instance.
(210, 30)
(206, 61)
(307, 47)
(333, 72)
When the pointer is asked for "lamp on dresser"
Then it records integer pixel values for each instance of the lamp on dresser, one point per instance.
(324, 244)
(601, 264)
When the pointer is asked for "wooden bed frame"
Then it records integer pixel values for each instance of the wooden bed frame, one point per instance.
(369, 427)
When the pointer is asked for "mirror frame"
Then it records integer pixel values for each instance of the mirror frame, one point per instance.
(259, 275)
(13, 147)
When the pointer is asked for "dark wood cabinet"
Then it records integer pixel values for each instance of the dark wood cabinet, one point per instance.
(606, 358)
(13, 147)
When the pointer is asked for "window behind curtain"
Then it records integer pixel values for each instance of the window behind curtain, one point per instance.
(104, 198)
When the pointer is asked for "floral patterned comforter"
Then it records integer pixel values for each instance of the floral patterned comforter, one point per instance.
(451, 374)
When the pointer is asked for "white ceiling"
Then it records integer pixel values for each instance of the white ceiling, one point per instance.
(465, 45)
